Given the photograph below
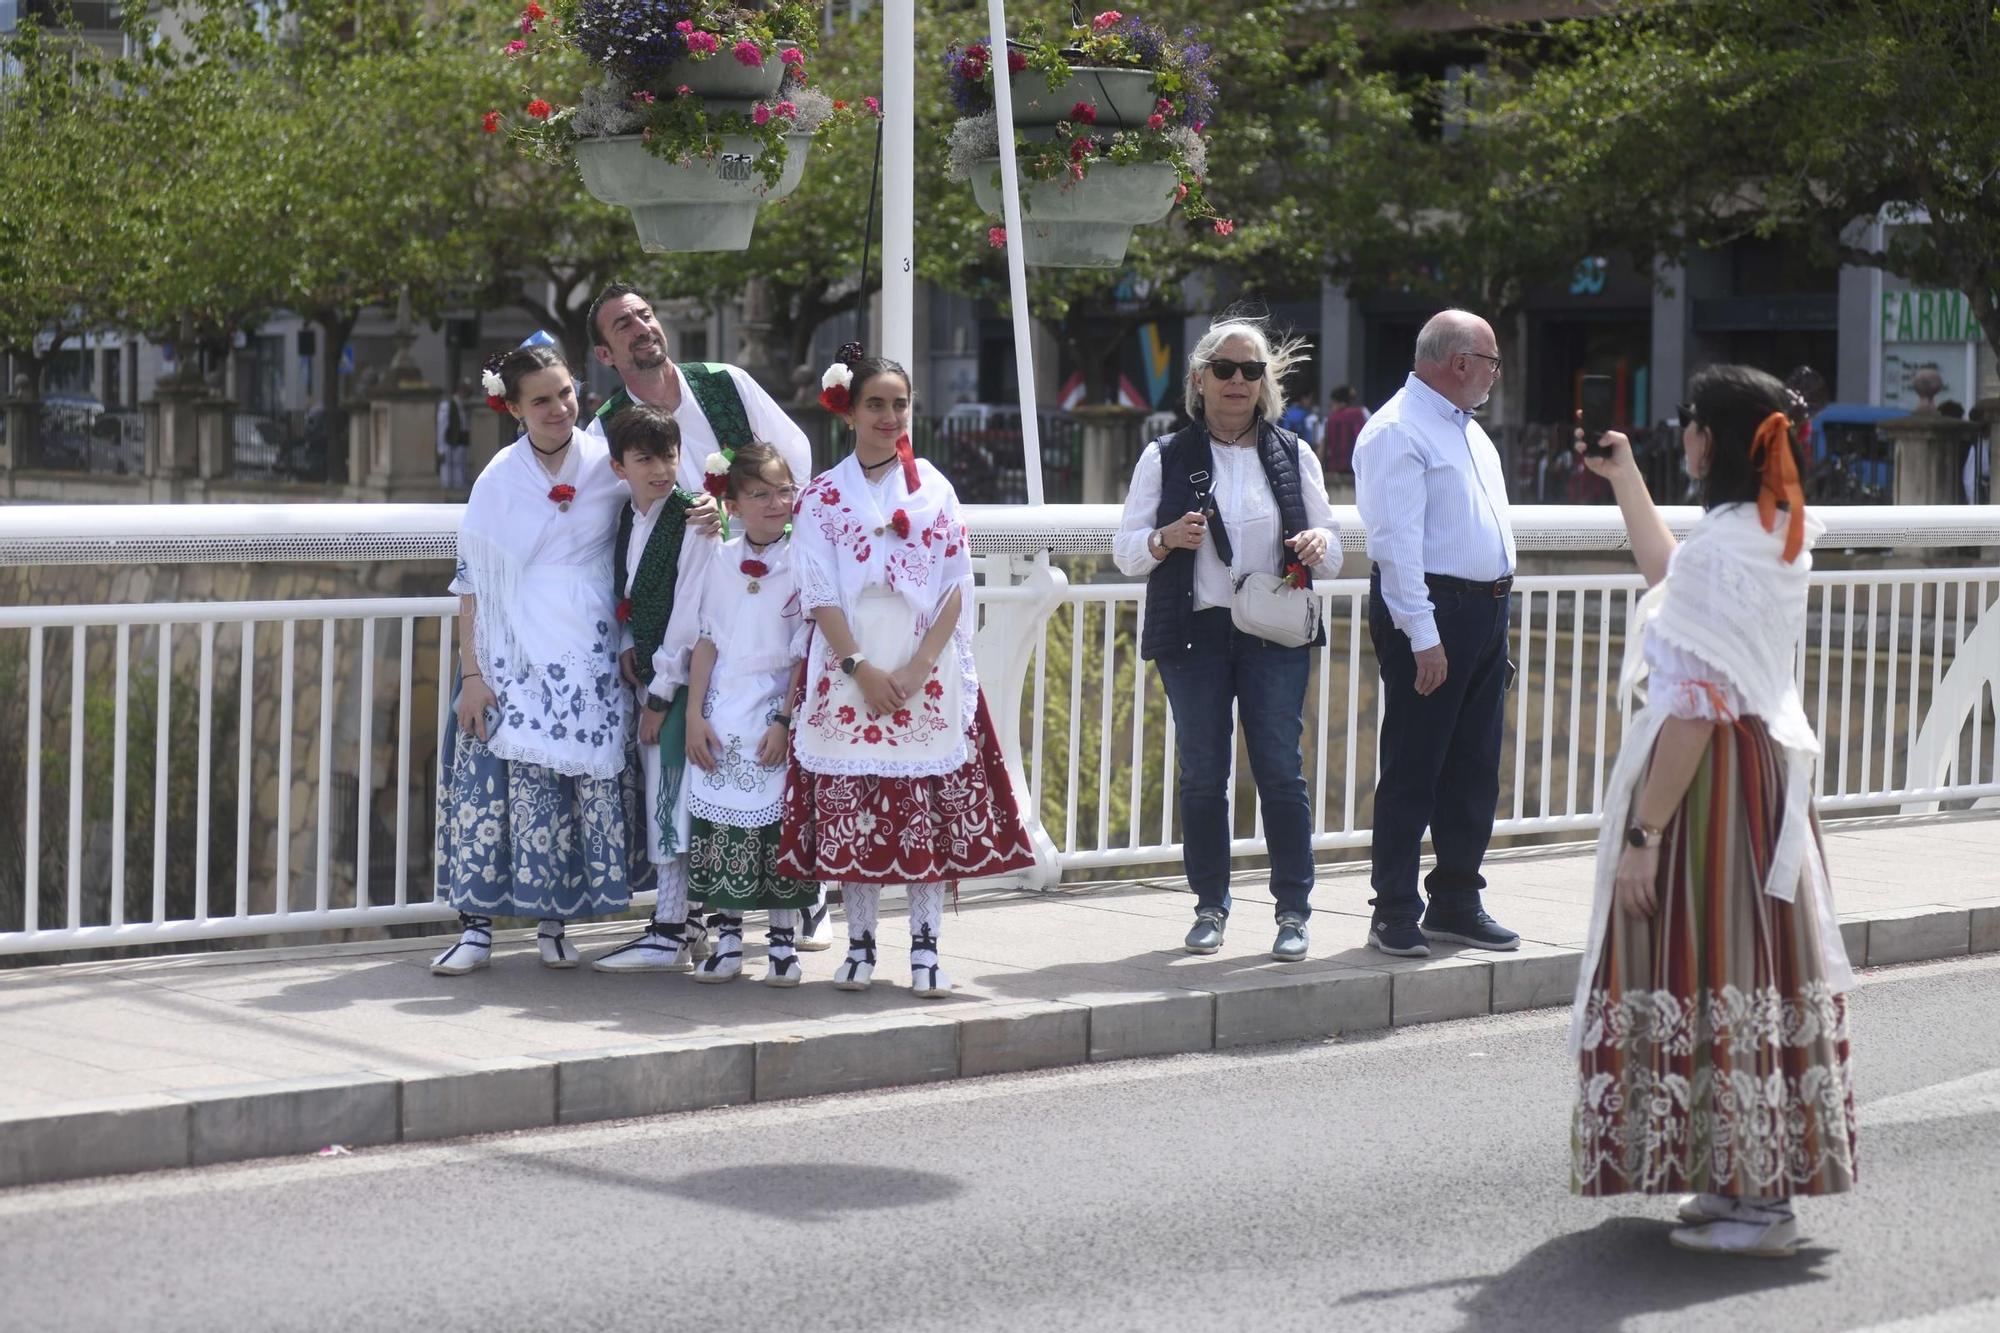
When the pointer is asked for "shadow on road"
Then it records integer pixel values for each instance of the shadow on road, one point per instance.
(1598, 1279)
(789, 1191)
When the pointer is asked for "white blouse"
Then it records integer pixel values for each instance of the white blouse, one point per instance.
(1684, 685)
(1242, 495)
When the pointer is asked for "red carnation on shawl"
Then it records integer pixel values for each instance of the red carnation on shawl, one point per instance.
(562, 494)
(900, 521)
(624, 611)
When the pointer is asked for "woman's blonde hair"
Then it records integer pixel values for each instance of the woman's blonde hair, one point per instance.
(1278, 362)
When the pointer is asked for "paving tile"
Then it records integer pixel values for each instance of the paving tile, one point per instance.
(622, 1083)
(1013, 1038)
(879, 1053)
(492, 1097)
(281, 1117)
(1299, 1006)
(139, 1132)
(1125, 1025)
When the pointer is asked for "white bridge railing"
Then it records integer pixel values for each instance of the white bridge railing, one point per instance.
(192, 769)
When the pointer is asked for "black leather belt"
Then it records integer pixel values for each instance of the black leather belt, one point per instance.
(1496, 589)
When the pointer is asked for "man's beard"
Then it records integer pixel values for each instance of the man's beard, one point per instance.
(652, 359)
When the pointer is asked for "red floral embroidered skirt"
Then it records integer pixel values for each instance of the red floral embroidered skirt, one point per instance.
(880, 830)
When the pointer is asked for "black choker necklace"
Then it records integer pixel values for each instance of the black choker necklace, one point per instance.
(551, 453)
(870, 467)
(760, 548)
(1238, 437)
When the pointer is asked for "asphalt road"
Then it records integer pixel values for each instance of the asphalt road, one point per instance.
(1413, 1180)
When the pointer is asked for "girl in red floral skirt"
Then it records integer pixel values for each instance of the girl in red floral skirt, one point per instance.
(896, 775)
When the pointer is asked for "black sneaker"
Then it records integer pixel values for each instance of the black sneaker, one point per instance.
(1474, 928)
(1401, 938)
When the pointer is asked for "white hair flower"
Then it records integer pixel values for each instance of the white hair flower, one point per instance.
(716, 466)
(837, 376)
(491, 382)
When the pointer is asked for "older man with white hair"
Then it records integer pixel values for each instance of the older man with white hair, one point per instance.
(1433, 498)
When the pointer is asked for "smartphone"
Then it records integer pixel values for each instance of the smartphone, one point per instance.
(1597, 398)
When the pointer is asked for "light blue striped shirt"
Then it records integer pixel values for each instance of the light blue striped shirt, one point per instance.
(1433, 497)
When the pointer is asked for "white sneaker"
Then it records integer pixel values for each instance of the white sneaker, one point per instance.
(926, 981)
(473, 950)
(816, 927)
(556, 950)
(662, 948)
(781, 964)
(726, 962)
(857, 970)
(1697, 1209)
(1763, 1233)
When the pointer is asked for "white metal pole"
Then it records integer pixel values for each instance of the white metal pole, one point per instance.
(899, 180)
(1017, 267)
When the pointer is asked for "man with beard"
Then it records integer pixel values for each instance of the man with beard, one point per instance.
(717, 406)
(1431, 492)
(719, 409)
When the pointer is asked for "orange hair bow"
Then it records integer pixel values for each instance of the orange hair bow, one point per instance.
(1779, 481)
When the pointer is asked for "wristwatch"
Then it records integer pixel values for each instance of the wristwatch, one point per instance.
(777, 717)
(1156, 540)
(655, 704)
(852, 664)
(1638, 835)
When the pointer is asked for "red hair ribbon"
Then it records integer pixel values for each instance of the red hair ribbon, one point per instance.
(909, 457)
(1780, 481)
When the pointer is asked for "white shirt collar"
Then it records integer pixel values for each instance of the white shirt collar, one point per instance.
(1437, 402)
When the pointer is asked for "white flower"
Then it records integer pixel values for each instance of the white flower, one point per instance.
(837, 376)
(716, 465)
(491, 382)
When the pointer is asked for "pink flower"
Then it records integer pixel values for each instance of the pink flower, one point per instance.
(1180, 192)
(791, 55)
(516, 46)
(1164, 107)
(701, 43)
(1199, 126)
(997, 237)
(788, 109)
(683, 91)
(761, 115)
(1223, 226)
(684, 27)
(874, 106)
(747, 53)
(527, 25)
(1085, 112)
(1156, 121)
(643, 96)
(1106, 19)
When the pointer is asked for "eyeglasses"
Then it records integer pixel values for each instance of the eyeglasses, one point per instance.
(757, 497)
(1224, 369)
(1483, 357)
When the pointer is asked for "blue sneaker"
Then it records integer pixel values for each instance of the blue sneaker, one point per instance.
(1401, 938)
(1473, 928)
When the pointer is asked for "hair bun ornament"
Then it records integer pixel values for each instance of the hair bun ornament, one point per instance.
(836, 384)
(850, 354)
(490, 382)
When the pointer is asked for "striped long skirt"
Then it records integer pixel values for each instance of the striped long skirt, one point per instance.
(1715, 1056)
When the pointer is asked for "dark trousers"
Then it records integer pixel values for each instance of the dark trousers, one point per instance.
(1440, 753)
(1268, 685)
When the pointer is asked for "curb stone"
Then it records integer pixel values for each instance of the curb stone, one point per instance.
(115, 1136)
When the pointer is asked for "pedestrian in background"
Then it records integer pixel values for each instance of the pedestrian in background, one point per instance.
(1432, 494)
(1710, 1025)
(1344, 419)
(1232, 494)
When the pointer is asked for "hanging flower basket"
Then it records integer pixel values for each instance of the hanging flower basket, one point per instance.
(1109, 133)
(707, 203)
(1086, 223)
(701, 113)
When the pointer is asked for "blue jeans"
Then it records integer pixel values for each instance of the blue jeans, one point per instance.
(1440, 754)
(1268, 684)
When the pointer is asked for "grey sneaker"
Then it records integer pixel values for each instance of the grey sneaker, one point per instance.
(1290, 946)
(1206, 936)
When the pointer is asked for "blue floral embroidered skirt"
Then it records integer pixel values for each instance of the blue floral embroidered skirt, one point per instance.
(519, 839)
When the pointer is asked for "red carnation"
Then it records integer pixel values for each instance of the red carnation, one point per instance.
(756, 569)
(624, 611)
(496, 402)
(1297, 574)
(715, 483)
(540, 109)
(490, 122)
(562, 495)
(835, 399)
(900, 521)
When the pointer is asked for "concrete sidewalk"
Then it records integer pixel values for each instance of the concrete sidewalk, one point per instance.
(130, 1066)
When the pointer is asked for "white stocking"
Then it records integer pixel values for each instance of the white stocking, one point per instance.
(926, 910)
(862, 903)
(672, 907)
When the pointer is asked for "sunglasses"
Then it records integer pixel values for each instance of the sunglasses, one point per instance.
(1224, 369)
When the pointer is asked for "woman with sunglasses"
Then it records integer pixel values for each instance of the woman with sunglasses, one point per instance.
(1710, 1027)
(1231, 494)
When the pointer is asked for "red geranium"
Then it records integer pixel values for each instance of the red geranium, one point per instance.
(1085, 112)
(490, 122)
(900, 521)
(756, 569)
(835, 399)
(540, 109)
(624, 611)
(534, 11)
(562, 495)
